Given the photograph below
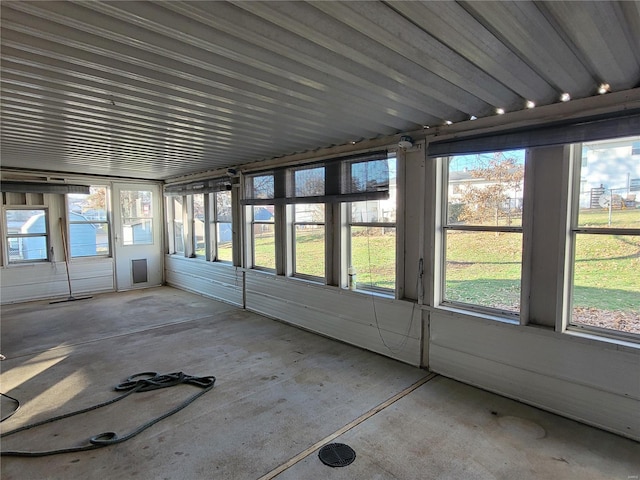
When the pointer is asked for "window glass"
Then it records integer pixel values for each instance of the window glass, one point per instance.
(372, 229)
(483, 268)
(223, 227)
(199, 246)
(309, 182)
(373, 257)
(261, 186)
(88, 223)
(606, 282)
(178, 224)
(264, 242)
(486, 189)
(606, 265)
(369, 176)
(26, 239)
(309, 239)
(483, 230)
(137, 215)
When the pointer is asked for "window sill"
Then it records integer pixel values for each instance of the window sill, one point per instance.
(371, 293)
(316, 284)
(27, 264)
(93, 258)
(475, 314)
(620, 342)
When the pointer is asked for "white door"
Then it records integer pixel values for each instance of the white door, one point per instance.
(137, 220)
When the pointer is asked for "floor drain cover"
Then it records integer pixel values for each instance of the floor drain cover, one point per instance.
(337, 455)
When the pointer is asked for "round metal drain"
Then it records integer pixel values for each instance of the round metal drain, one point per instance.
(337, 455)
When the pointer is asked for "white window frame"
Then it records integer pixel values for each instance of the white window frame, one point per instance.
(293, 224)
(192, 222)
(213, 222)
(573, 232)
(8, 236)
(106, 222)
(177, 223)
(350, 223)
(252, 224)
(446, 227)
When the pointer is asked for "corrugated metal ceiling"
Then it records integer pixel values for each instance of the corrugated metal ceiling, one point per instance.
(158, 90)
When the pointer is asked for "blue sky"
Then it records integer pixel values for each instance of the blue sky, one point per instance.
(460, 162)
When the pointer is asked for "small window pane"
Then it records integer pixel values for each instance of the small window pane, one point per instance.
(606, 281)
(92, 206)
(137, 214)
(264, 246)
(483, 268)
(26, 221)
(309, 250)
(262, 186)
(223, 206)
(373, 255)
(374, 211)
(27, 248)
(88, 239)
(178, 225)
(368, 176)
(486, 189)
(309, 212)
(309, 238)
(199, 246)
(610, 185)
(225, 245)
(263, 214)
(309, 182)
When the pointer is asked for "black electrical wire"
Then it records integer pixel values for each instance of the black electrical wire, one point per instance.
(16, 401)
(140, 382)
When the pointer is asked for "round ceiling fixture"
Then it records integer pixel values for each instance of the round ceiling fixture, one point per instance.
(405, 142)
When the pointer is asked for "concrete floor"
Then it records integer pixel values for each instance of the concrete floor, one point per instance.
(279, 391)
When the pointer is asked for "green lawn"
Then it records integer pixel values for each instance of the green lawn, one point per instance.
(373, 256)
(485, 268)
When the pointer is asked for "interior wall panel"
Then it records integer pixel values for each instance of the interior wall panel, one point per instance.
(23, 283)
(222, 282)
(593, 382)
(389, 327)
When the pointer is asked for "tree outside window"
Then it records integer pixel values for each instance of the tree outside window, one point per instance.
(483, 231)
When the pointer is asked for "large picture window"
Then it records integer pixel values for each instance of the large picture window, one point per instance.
(606, 237)
(88, 223)
(482, 231)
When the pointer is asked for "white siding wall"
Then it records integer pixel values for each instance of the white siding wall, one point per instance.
(220, 281)
(360, 319)
(389, 327)
(591, 381)
(35, 281)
